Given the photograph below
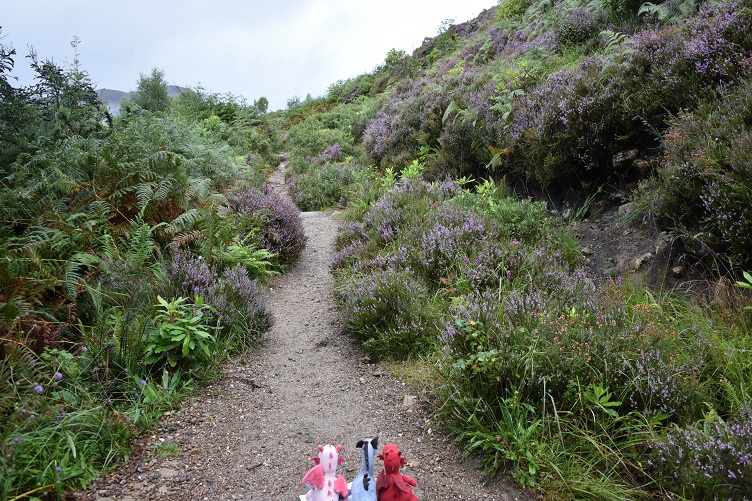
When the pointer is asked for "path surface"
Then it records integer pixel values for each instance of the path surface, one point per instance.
(251, 435)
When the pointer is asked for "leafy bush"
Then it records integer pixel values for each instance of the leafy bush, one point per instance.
(95, 213)
(329, 185)
(386, 311)
(237, 298)
(151, 93)
(704, 183)
(316, 134)
(181, 334)
(709, 458)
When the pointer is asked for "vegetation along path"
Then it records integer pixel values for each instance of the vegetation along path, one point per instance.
(251, 434)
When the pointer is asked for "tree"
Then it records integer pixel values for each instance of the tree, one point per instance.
(262, 104)
(151, 93)
(14, 111)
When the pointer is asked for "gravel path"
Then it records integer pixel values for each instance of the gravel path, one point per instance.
(251, 435)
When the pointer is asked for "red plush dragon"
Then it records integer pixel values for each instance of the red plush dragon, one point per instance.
(322, 479)
(391, 485)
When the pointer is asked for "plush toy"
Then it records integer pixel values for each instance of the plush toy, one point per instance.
(364, 485)
(391, 485)
(322, 479)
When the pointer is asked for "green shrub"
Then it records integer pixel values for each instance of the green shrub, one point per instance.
(181, 334)
(329, 185)
(388, 312)
(704, 182)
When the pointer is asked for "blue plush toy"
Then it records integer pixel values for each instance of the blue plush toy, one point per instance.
(364, 485)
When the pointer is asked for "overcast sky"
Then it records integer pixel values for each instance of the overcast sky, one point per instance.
(278, 48)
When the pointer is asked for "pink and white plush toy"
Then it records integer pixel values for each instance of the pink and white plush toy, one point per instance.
(322, 479)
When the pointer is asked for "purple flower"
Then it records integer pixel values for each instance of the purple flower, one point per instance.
(143, 382)
(38, 388)
(58, 469)
(281, 229)
(58, 376)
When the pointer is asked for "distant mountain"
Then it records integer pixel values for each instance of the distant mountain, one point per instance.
(112, 98)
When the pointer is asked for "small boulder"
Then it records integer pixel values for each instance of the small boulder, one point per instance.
(641, 260)
(695, 247)
(624, 159)
(626, 208)
(642, 166)
(408, 402)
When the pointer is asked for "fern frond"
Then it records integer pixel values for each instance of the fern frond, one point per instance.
(182, 239)
(256, 261)
(107, 246)
(15, 307)
(163, 188)
(197, 187)
(140, 243)
(102, 209)
(144, 194)
(73, 276)
(182, 222)
(217, 199)
(224, 211)
(661, 11)
(670, 11)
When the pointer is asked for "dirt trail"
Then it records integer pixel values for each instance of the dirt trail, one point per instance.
(251, 435)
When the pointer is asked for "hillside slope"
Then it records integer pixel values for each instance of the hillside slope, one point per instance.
(580, 104)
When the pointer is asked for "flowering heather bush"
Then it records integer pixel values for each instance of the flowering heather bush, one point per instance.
(187, 275)
(563, 332)
(476, 125)
(237, 299)
(705, 182)
(330, 154)
(281, 230)
(410, 119)
(483, 276)
(350, 233)
(352, 241)
(240, 303)
(407, 204)
(126, 283)
(388, 312)
(578, 26)
(708, 460)
(448, 239)
(578, 118)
